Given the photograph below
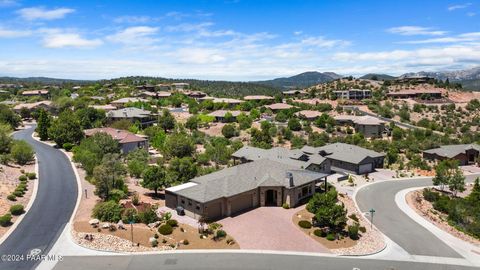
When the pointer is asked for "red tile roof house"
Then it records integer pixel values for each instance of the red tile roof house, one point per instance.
(127, 140)
(308, 114)
(279, 106)
(30, 93)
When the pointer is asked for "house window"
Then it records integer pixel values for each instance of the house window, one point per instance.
(198, 207)
(182, 201)
(190, 202)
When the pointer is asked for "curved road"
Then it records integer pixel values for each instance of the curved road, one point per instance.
(397, 225)
(51, 210)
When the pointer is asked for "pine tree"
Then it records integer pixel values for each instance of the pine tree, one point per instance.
(43, 124)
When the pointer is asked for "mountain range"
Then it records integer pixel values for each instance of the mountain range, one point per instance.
(302, 80)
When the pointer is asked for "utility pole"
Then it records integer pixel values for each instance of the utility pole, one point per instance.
(372, 211)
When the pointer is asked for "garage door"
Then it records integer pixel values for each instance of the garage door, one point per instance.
(365, 168)
(214, 211)
(241, 203)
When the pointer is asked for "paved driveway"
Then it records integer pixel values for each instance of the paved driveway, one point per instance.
(270, 228)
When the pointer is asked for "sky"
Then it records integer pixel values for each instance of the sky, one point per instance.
(239, 40)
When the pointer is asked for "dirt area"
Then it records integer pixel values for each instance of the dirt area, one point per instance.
(425, 209)
(215, 129)
(370, 242)
(463, 97)
(181, 116)
(8, 182)
(142, 234)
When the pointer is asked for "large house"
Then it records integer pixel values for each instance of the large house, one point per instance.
(464, 153)
(144, 117)
(121, 103)
(355, 94)
(45, 104)
(239, 188)
(40, 93)
(220, 114)
(417, 93)
(348, 158)
(369, 126)
(258, 98)
(127, 140)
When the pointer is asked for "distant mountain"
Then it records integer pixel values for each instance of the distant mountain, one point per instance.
(302, 80)
(40, 80)
(379, 77)
(469, 78)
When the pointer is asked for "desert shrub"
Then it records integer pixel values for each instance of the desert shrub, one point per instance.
(156, 236)
(23, 178)
(430, 195)
(20, 189)
(330, 237)
(442, 204)
(185, 242)
(68, 146)
(21, 152)
(353, 217)
(16, 209)
(172, 222)
(362, 229)
(154, 243)
(129, 215)
(107, 211)
(148, 216)
(18, 193)
(6, 220)
(221, 234)
(319, 233)
(117, 195)
(165, 229)
(214, 226)
(31, 175)
(305, 224)
(353, 231)
(135, 199)
(286, 206)
(12, 197)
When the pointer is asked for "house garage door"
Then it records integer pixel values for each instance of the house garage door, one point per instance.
(241, 203)
(214, 211)
(365, 168)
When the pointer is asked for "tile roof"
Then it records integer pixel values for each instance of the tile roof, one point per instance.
(130, 112)
(122, 136)
(451, 151)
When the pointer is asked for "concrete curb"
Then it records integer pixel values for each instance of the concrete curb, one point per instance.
(27, 207)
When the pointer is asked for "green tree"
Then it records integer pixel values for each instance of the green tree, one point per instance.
(91, 150)
(179, 145)
(327, 210)
(474, 196)
(43, 124)
(137, 162)
(229, 131)
(90, 117)
(457, 182)
(228, 117)
(109, 176)
(244, 121)
(166, 120)
(155, 178)
(66, 129)
(9, 117)
(5, 139)
(294, 124)
(192, 123)
(21, 152)
(181, 170)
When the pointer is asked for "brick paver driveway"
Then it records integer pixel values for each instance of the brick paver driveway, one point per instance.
(270, 228)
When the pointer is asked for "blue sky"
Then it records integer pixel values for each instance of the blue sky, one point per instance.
(235, 39)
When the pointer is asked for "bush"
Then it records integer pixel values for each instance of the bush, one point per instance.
(31, 175)
(185, 242)
(353, 231)
(221, 234)
(319, 233)
(107, 211)
(305, 224)
(16, 209)
(129, 215)
(67, 146)
(362, 229)
(22, 152)
(442, 204)
(330, 237)
(148, 216)
(12, 197)
(18, 193)
(172, 222)
(353, 217)
(154, 243)
(165, 229)
(20, 189)
(22, 178)
(117, 195)
(430, 195)
(6, 220)
(286, 206)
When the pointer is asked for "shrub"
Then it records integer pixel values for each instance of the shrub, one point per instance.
(214, 226)
(165, 229)
(68, 146)
(353, 217)
(18, 193)
(117, 195)
(185, 242)
(135, 199)
(31, 175)
(154, 243)
(129, 215)
(20, 189)
(148, 216)
(107, 211)
(430, 195)
(362, 229)
(172, 222)
(330, 237)
(22, 152)
(22, 178)
(12, 197)
(16, 209)
(156, 236)
(6, 220)
(319, 233)
(442, 204)
(353, 231)
(305, 224)
(286, 206)
(221, 234)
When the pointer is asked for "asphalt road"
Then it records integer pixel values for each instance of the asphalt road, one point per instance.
(395, 224)
(51, 210)
(241, 261)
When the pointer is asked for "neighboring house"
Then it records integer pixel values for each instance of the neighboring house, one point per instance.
(127, 140)
(291, 93)
(40, 93)
(348, 158)
(369, 126)
(146, 87)
(417, 93)
(195, 94)
(120, 103)
(220, 114)
(179, 86)
(163, 87)
(355, 94)
(279, 106)
(144, 117)
(258, 98)
(157, 95)
(106, 107)
(239, 188)
(464, 153)
(46, 105)
(414, 79)
(308, 114)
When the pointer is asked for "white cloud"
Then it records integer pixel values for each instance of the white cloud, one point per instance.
(132, 19)
(41, 13)
(471, 14)
(466, 37)
(8, 3)
(135, 35)
(199, 56)
(55, 38)
(461, 6)
(415, 30)
(8, 33)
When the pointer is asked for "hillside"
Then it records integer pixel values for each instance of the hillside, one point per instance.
(40, 80)
(469, 78)
(302, 80)
(378, 77)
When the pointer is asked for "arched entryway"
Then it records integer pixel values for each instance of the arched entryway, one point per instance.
(271, 197)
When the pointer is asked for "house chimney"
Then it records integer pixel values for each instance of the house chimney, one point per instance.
(289, 177)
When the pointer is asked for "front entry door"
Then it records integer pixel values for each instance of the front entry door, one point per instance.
(271, 198)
